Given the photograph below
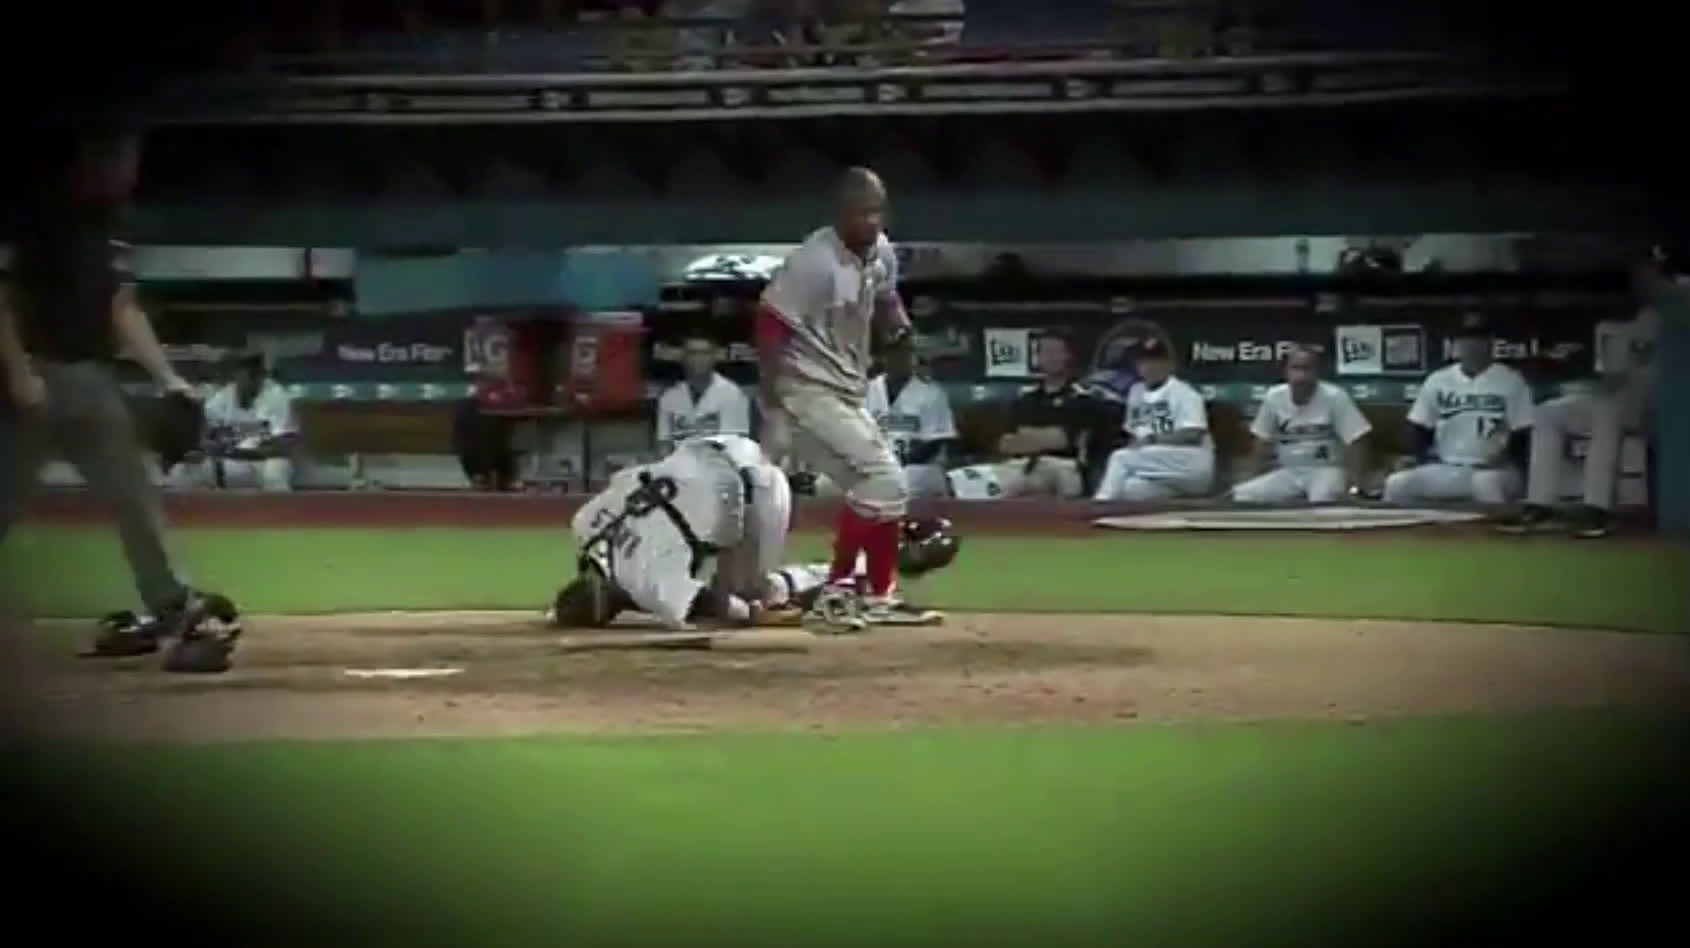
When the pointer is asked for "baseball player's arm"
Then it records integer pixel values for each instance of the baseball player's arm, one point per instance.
(938, 428)
(1353, 428)
(1191, 419)
(136, 339)
(1023, 438)
(13, 358)
(1261, 429)
(736, 414)
(665, 433)
(1423, 420)
(1521, 412)
(284, 427)
(891, 321)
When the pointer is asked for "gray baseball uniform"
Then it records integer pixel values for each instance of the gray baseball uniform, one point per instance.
(1626, 353)
(826, 295)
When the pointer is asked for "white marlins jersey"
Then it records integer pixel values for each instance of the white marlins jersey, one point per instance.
(1174, 406)
(270, 414)
(1471, 417)
(640, 546)
(827, 295)
(921, 412)
(1314, 433)
(722, 409)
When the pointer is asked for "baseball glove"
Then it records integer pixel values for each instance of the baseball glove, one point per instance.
(776, 617)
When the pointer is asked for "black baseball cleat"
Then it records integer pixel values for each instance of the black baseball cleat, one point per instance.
(202, 629)
(125, 635)
(1591, 523)
(1532, 519)
(206, 627)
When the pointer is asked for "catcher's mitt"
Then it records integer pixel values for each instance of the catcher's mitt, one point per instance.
(776, 617)
(179, 428)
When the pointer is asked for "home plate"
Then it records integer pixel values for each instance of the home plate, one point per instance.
(401, 672)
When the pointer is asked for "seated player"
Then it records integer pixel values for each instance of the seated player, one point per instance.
(1313, 431)
(1619, 404)
(1472, 419)
(704, 402)
(1169, 452)
(914, 414)
(251, 435)
(707, 522)
(1051, 425)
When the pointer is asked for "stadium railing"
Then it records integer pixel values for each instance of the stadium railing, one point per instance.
(992, 32)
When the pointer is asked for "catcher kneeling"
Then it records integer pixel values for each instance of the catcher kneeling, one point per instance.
(699, 535)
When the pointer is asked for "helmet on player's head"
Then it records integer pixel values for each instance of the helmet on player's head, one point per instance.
(588, 602)
(926, 544)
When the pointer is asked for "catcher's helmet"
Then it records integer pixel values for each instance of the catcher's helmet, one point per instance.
(588, 602)
(926, 544)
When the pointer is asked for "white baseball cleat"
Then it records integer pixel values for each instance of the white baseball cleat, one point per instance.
(889, 610)
(838, 610)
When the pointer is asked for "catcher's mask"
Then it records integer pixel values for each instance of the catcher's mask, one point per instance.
(588, 602)
(926, 544)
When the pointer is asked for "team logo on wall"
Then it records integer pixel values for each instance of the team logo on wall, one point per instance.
(1112, 361)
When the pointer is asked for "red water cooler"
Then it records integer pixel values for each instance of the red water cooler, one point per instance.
(603, 372)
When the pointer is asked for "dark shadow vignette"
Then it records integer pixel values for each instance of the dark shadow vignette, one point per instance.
(147, 851)
(84, 827)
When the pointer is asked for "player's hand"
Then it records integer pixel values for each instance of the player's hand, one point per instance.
(174, 384)
(28, 391)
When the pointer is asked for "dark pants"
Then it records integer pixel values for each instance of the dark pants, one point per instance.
(483, 445)
(86, 422)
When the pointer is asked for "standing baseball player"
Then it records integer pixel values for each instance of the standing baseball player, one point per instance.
(1169, 452)
(1472, 420)
(692, 535)
(1314, 433)
(825, 305)
(914, 414)
(1619, 403)
(704, 402)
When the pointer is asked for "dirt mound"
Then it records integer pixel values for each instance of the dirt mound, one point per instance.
(291, 680)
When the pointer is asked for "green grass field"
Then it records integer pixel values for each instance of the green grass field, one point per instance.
(1195, 834)
(68, 572)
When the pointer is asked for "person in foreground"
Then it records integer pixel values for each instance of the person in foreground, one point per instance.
(825, 305)
(67, 308)
(1619, 403)
(1472, 421)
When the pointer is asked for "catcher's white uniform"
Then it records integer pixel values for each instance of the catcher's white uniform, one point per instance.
(713, 510)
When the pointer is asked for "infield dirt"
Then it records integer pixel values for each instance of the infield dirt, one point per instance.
(291, 676)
